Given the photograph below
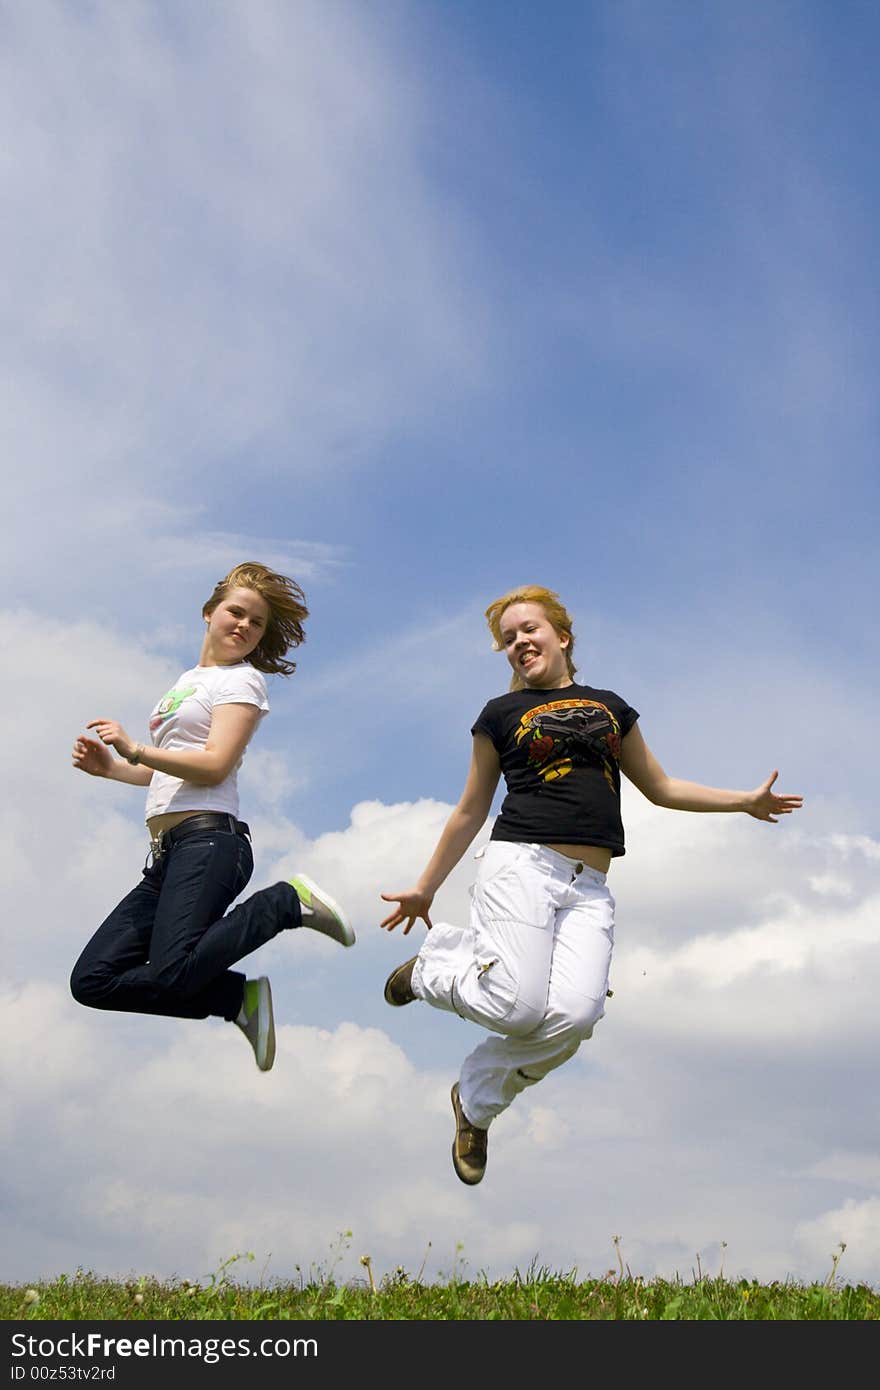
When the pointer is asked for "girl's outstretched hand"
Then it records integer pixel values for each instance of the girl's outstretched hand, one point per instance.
(92, 757)
(111, 733)
(412, 905)
(768, 806)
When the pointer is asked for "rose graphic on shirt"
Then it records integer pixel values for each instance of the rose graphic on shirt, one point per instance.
(540, 749)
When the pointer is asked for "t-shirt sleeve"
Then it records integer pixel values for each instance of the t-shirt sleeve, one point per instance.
(243, 686)
(486, 723)
(627, 718)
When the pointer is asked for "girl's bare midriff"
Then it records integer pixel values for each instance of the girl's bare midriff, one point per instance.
(156, 824)
(591, 855)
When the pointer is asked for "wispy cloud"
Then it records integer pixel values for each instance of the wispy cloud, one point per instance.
(207, 552)
(257, 285)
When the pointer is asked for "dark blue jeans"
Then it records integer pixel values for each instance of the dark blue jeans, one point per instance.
(167, 947)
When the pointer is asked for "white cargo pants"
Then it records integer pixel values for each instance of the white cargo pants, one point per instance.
(532, 966)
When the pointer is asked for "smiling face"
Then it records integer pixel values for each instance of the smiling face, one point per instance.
(234, 628)
(535, 650)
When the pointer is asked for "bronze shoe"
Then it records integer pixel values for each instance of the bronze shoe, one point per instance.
(398, 986)
(469, 1147)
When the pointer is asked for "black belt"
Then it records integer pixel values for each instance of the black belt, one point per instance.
(205, 820)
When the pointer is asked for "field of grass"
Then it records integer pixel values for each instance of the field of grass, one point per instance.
(536, 1295)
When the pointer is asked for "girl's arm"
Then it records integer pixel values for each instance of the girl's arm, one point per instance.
(643, 769)
(457, 834)
(231, 729)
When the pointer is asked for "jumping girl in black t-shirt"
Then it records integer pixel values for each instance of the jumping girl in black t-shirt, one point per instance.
(532, 964)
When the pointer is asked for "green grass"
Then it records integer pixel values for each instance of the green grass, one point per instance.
(536, 1295)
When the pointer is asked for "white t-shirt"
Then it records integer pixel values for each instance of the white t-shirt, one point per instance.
(182, 720)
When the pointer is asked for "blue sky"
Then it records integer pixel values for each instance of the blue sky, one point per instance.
(419, 302)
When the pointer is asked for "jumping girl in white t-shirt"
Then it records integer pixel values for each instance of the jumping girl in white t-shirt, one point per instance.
(167, 947)
(532, 964)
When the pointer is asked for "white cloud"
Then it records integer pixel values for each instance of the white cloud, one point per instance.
(267, 781)
(829, 885)
(856, 1225)
(157, 1151)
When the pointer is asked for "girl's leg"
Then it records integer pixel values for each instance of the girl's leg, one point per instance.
(499, 1068)
(192, 943)
(121, 943)
(496, 972)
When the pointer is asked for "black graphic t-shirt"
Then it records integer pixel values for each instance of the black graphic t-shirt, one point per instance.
(560, 756)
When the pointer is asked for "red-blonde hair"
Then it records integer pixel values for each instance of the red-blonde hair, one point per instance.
(556, 613)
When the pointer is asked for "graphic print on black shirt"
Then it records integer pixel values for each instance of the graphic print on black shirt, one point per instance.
(570, 733)
(559, 752)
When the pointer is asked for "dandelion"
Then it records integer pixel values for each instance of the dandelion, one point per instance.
(368, 1265)
(31, 1296)
(138, 1298)
(835, 1261)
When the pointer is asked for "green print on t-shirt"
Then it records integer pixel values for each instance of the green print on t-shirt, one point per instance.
(170, 704)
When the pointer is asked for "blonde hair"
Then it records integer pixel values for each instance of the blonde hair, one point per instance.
(556, 613)
(287, 612)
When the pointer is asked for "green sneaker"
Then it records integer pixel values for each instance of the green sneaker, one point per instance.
(256, 1021)
(320, 912)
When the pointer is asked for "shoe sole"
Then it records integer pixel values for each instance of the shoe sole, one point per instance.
(470, 1179)
(325, 898)
(266, 1044)
(398, 1003)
